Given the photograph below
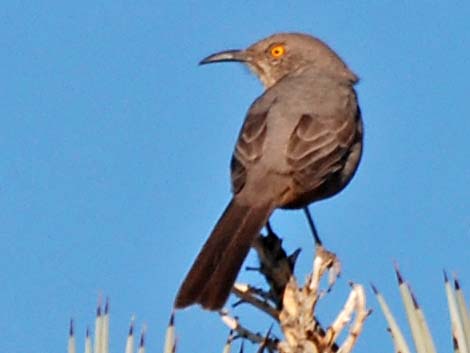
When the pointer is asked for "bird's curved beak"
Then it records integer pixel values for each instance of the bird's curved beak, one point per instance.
(226, 55)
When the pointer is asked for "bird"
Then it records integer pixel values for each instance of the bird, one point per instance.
(301, 142)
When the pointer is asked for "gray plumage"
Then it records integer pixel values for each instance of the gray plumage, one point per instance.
(301, 142)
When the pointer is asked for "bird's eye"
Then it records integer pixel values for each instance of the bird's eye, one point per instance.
(277, 51)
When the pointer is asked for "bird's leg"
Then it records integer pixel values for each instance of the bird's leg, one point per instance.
(329, 259)
(316, 237)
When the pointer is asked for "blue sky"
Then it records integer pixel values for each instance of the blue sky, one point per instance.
(115, 150)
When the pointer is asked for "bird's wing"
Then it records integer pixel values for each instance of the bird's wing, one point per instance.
(318, 148)
(249, 147)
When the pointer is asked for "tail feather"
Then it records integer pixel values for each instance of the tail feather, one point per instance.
(215, 269)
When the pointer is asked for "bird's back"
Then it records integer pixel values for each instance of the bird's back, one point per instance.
(331, 106)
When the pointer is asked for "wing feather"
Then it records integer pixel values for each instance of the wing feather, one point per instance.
(249, 147)
(317, 148)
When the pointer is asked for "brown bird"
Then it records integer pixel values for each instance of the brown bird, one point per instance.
(301, 142)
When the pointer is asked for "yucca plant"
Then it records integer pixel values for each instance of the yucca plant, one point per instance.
(422, 338)
(293, 308)
(99, 341)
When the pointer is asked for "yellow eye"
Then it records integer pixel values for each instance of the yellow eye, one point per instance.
(277, 51)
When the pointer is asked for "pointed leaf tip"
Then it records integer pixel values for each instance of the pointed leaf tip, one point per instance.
(71, 328)
(98, 304)
(106, 306)
(446, 279)
(374, 288)
(293, 257)
(413, 297)
(455, 343)
(456, 284)
(172, 319)
(399, 276)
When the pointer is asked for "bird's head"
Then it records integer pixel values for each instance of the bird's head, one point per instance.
(276, 56)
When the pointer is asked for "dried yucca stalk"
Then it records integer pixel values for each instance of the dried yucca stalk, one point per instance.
(292, 306)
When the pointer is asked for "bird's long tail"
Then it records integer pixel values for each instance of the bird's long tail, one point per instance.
(215, 269)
